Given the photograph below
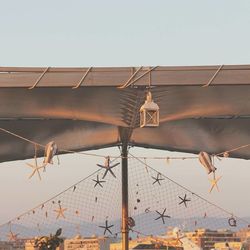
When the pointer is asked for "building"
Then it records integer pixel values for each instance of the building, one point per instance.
(228, 246)
(5, 245)
(174, 240)
(12, 245)
(90, 243)
(206, 238)
(155, 246)
(149, 243)
(29, 245)
(186, 243)
(243, 234)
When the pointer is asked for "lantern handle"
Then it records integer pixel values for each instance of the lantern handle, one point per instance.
(149, 97)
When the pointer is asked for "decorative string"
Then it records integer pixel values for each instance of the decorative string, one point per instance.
(200, 197)
(114, 157)
(91, 154)
(83, 201)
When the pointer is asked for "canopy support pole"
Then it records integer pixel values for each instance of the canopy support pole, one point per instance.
(125, 230)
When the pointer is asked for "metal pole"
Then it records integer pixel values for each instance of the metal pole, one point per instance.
(125, 231)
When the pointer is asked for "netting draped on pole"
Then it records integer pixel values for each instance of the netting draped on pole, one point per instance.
(93, 207)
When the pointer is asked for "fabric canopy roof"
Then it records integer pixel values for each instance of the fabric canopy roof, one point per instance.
(193, 118)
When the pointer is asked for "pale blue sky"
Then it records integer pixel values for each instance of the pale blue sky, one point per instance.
(122, 33)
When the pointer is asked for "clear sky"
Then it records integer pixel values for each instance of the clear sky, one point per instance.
(122, 33)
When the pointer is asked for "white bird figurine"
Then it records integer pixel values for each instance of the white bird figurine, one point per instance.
(206, 161)
(50, 151)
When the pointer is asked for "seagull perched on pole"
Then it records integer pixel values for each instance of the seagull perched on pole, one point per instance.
(108, 167)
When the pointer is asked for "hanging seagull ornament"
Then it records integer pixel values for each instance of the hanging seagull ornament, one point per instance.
(51, 150)
(206, 161)
(108, 167)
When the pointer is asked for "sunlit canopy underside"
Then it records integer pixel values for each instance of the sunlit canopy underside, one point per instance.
(193, 118)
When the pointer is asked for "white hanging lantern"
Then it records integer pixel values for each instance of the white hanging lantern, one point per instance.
(149, 113)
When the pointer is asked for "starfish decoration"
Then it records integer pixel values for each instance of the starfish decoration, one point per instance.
(98, 182)
(184, 200)
(162, 216)
(60, 212)
(214, 184)
(108, 167)
(12, 236)
(157, 179)
(178, 241)
(232, 222)
(131, 223)
(106, 227)
(35, 168)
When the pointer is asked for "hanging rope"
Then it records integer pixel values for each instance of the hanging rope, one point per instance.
(113, 157)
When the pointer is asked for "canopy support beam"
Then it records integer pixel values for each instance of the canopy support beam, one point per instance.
(125, 230)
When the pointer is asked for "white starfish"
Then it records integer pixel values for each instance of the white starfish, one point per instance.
(214, 183)
(60, 212)
(35, 169)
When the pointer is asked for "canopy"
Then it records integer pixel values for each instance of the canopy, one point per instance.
(89, 108)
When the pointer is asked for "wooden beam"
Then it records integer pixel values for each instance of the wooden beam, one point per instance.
(161, 76)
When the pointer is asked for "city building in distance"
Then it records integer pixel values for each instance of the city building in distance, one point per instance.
(88, 243)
